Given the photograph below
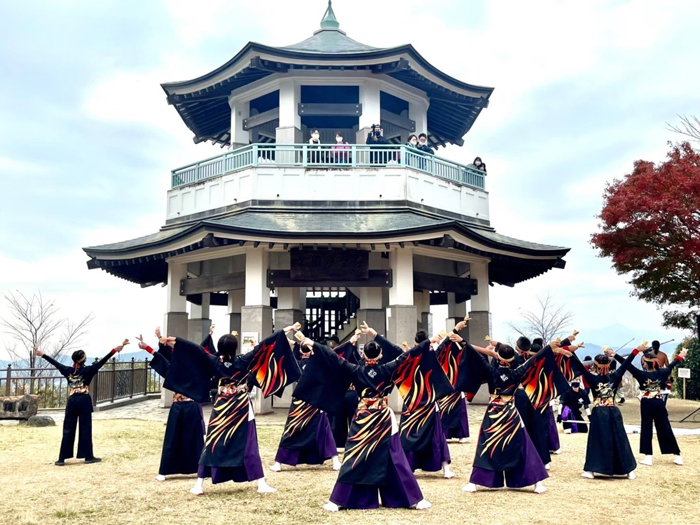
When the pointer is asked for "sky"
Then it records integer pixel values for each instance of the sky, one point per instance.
(582, 90)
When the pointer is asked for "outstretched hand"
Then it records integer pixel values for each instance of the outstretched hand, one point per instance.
(38, 352)
(455, 338)
(142, 345)
(121, 347)
(367, 330)
(158, 332)
(683, 353)
(211, 329)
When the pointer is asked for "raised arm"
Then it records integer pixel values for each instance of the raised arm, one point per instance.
(616, 376)
(63, 369)
(674, 363)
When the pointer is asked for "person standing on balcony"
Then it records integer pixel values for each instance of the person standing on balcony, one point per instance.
(376, 138)
(341, 149)
(423, 144)
(315, 153)
(184, 431)
(477, 165)
(79, 405)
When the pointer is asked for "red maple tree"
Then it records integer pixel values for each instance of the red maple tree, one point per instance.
(650, 227)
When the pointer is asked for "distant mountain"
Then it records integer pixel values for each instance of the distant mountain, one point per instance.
(617, 334)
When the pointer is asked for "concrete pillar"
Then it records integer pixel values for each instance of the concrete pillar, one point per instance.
(456, 313)
(371, 311)
(199, 322)
(256, 314)
(236, 300)
(402, 323)
(239, 112)
(288, 309)
(289, 130)
(418, 112)
(176, 315)
(421, 300)
(371, 108)
(480, 317)
(480, 314)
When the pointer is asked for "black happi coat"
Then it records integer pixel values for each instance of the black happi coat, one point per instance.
(328, 376)
(500, 438)
(450, 355)
(184, 431)
(303, 418)
(608, 451)
(270, 366)
(575, 401)
(78, 406)
(347, 404)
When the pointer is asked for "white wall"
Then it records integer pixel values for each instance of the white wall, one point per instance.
(381, 184)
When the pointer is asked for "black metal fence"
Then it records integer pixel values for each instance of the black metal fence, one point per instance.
(116, 380)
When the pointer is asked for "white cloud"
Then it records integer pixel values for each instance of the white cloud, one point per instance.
(545, 59)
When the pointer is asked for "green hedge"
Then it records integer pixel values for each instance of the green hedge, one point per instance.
(692, 361)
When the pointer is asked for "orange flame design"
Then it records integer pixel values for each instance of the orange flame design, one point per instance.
(229, 413)
(374, 426)
(300, 415)
(503, 427)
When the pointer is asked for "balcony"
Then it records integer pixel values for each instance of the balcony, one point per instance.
(327, 156)
(330, 173)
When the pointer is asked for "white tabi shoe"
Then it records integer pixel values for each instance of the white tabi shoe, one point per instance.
(677, 460)
(276, 467)
(264, 488)
(587, 475)
(447, 473)
(197, 491)
(557, 452)
(646, 461)
(336, 463)
(463, 440)
(567, 431)
(632, 475)
(331, 507)
(469, 487)
(540, 488)
(548, 466)
(160, 477)
(423, 504)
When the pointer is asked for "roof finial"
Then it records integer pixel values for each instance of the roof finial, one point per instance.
(329, 20)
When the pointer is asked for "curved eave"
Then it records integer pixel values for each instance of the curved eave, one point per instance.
(144, 261)
(170, 87)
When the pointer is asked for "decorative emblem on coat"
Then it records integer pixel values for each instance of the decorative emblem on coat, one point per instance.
(372, 373)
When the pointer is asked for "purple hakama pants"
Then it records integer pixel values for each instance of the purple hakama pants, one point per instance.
(400, 489)
(323, 448)
(251, 470)
(431, 460)
(553, 432)
(463, 430)
(529, 471)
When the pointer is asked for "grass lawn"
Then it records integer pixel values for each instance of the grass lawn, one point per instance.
(122, 489)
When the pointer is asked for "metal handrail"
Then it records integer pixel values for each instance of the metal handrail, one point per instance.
(328, 156)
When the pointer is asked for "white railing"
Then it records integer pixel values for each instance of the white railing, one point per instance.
(328, 156)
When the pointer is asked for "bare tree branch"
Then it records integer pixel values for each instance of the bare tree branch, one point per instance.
(548, 321)
(35, 321)
(690, 127)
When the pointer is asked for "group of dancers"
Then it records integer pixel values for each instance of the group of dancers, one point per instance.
(341, 392)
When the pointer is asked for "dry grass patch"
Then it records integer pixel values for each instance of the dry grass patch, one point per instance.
(122, 489)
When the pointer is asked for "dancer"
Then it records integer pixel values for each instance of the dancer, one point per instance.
(184, 431)
(341, 420)
(422, 437)
(79, 405)
(307, 437)
(231, 445)
(652, 381)
(570, 405)
(505, 453)
(453, 407)
(374, 462)
(608, 451)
